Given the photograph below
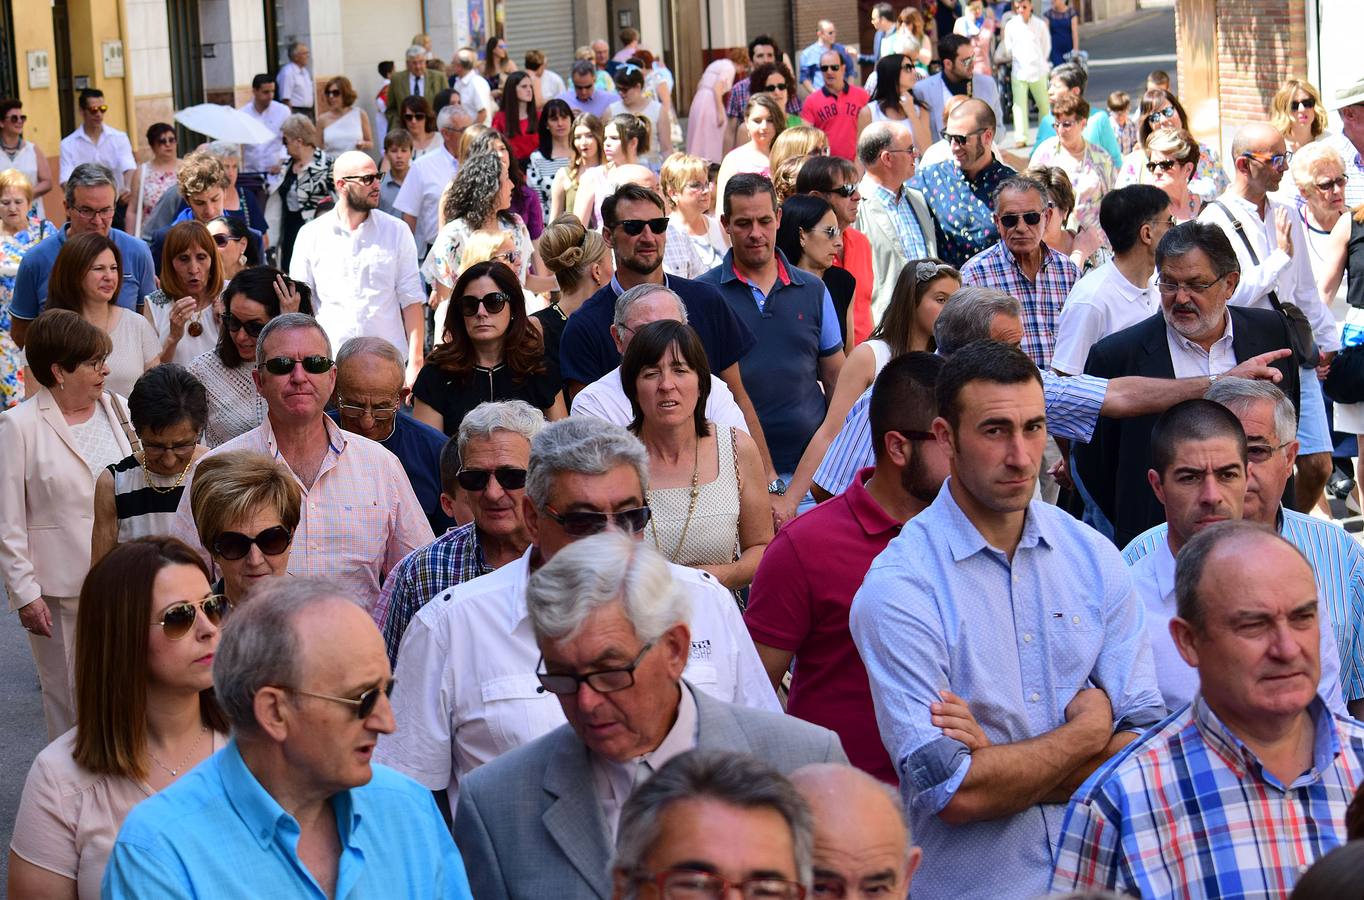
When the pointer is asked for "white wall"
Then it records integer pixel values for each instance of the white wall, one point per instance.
(147, 49)
(371, 33)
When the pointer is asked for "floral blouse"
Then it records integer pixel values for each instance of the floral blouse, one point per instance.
(1091, 176)
(12, 250)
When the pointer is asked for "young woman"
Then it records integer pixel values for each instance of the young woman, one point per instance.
(588, 138)
(764, 120)
(1298, 113)
(17, 153)
(802, 140)
(154, 176)
(420, 121)
(497, 65)
(183, 310)
(343, 125)
(695, 243)
(581, 262)
(516, 119)
(633, 100)
(553, 151)
(622, 140)
(706, 116)
(1162, 109)
(777, 81)
(894, 100)
(811, 239)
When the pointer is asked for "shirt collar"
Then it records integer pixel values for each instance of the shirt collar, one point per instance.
(869, 515)
(336, 437)
(964, 540)
(787, 274)
(1189, 345)
(517, 574)
(1242, 760)
(1163, 565)
(262, 814)
(617, 290)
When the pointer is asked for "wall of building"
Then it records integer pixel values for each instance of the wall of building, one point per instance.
(367, 40)
(148, 65)
(844, 15)
(33, 31)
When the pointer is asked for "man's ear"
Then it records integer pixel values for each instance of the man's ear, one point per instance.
(1153, 479)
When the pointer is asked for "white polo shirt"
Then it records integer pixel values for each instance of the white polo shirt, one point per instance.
(419, 196)
(466, 687)
(361, 279)
(1101, 303)
(605, 399)
(112, 150)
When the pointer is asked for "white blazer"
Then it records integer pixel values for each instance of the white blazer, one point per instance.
(47, 499)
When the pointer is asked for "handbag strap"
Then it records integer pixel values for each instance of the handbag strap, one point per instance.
(133, 440)
(1250, 248)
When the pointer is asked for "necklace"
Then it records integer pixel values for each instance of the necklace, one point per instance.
(194, 328)
(158, 488)
(188, 756)
(691, 506)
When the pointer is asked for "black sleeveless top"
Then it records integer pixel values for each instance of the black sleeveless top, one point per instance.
(1354, 265)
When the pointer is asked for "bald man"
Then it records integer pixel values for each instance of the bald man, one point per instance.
(862, 843)
(362, 266)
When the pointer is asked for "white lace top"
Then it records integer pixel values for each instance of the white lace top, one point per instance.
(234, 407)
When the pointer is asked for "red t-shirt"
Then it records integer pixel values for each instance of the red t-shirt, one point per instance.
(857, 260)
(523, 145)
(799, 602)
(836, 116)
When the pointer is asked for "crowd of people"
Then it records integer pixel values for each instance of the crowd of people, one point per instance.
(536, 490)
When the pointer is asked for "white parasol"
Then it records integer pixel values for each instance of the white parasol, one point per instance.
(224, 123)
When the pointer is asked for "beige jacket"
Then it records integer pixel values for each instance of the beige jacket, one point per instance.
(887, 259)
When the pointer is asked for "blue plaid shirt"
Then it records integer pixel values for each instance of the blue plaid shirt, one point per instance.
(1072, 404)
(907, 228)
(453, 558)
(1187, 810)
(962, 207)
(1041, 299)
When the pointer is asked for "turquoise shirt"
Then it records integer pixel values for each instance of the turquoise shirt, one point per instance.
(217, 833)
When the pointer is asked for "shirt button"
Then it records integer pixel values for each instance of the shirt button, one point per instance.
(1075, 619)
(1027, 639)
(1035, 697)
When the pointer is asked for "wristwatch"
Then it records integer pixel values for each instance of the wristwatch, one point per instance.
(778, 487)
(1212, 379)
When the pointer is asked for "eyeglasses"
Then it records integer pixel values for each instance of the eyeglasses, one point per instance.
(364, 704)
(961, 139)
(1161, 115)
(1011, 220)
(414, 117)
(1296, 105)
(284, 365)
(1332, 183)
(19, 118)
(177, 620)
(845, 191)
(510, 258)
(234, 324)
(233, 545)
(367, 179)
(332, 92)
(965, 61)
(97, 109)
(913, 154)
(379, 412)
(493, 303)
(1262, 453)
(1065, 124)
(603, 681)
(509, 478)
(585, 523)
(832, 232)
(907, 67)
(1274, 160)
(87, 213)
(1170, 289)
(634, 227)
(837, 68)
(222, 240)
(176, 449)
(701, 187)
(779, 86)
(686, 884)
(1162, 165)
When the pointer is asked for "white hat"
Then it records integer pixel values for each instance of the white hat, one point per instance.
(1349, 96)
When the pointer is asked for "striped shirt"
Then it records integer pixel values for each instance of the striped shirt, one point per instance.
(141, 510)
(1040, 297)
(1072, 404)
(1187, 810)
(453, 558)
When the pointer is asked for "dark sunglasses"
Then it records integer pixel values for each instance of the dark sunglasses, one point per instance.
(414, 117)
(1011, 220)
(961, 139)
(177, 620)
(781, 86)
(284, 365)
(222, 240)
(493, 303)
(633, 227)
(331, 92)
(367, 179)
(1161, 115)
(233, 545)
(1164, 165)
(583, 524)
(845, 190)
(837, 68)
(477, 479)
(1296, 105)
(234, 324)
(364, 704)
(17, 117)
(167, 141)
(1327, 184)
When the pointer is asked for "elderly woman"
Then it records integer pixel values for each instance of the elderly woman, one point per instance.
(183, 309)
(307, 183)
(1319, 177)
(343, 125)
(246, 507)
(582, 263)
(695, 243)
(764, 121)
(137, 496)
(1171, 160)
(148, 627)
(19, 231)
(54, 445)
(250, 301)
(155, 176)
(491, 351)
(1298, 113)
(1088, 166)
(706, 484)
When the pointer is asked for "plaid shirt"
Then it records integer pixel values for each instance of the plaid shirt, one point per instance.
(1188, 811)
(453, 558)
(1041, 299)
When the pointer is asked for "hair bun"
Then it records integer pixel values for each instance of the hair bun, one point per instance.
(570, 258)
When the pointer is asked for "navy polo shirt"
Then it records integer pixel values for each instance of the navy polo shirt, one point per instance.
(796, 326)
(586, 351)
(418, 446)
(30, 284)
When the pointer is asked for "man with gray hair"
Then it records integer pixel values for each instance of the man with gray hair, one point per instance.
(416, 81)
(475, 94)
(294, 82)
(483, 468)
(610, 615)
(359, 513)
(419, 198)
(369, 402)
(893, 216)
(300, 674)
(605, 398)
(467, 693)
(91, 194)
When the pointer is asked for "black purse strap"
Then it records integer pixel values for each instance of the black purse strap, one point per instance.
(1250, 248)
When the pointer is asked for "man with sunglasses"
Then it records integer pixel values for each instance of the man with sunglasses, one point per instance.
(361, 264)
(293, 805)
(957, 78)
(613, 639)
(96, 142)
(834, 105)
(893, 215)
(466, 667)
(762, 50)
(1276, 268)
(812, 73)
(359, 516)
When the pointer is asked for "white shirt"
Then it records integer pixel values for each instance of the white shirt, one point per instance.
(1191, 361)
(112, 150)
(466, 687)
(1029, 43)
(605, 399)
(361, 279)
(421, 190)
(1290, 277)
(615, 781)
(1103, 302)
(475, 94)
(294, 86)
(263, 157)
(551, 84)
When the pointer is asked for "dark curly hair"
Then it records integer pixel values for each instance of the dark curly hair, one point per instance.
(523, 350)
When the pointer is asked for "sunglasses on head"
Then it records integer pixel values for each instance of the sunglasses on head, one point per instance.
(234, 324)
(284, 365)
(233, 545)
(511, 479)
(367, 179)
(583, 524)
(493, 303)
(779, 86)
(177, 620)
(1011, 220)
(364, 704)
(634, 227)
(1296, 105)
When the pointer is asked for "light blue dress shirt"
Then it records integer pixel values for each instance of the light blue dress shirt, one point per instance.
(940, 609)
(217, 833)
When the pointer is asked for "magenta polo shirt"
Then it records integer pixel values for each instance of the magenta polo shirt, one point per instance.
(799, 602)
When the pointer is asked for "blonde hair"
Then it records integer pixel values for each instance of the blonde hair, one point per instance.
(229, 487)
(1280, 116)
(678, 170)
(466, 140)
(13, 178)
(482, 246)
(784, 176)
(798, 140)
(1175, 143)
(569, 249)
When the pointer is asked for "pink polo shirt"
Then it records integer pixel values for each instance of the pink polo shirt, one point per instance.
(799, 602)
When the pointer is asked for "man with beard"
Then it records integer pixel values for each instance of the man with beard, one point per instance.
(798, 606)
(362, 266)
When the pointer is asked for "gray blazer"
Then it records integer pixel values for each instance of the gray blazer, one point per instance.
(529, 825)
(932, 92)
(887, 259)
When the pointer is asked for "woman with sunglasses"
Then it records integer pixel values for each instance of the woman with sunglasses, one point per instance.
(246, 507)
(20, 230)
(420, 121)
(17, 153)
(1161, 109)
(343, 125)
(183, 310)
(253, 297)
(922, 289)
(696, 243)
(763, 122)
(894, 100)
(490, 350)
(137, 496)
(811, 239)
(588, 138)
(706, 487)
(1171, 160)
(775, 80)
(307, 182)
(1088, 165)
(235, 249)
(146, 715)
(1298, 113)
(155, 176)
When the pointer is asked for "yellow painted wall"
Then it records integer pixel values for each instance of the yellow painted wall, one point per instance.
(33, 31)
(93, 22)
